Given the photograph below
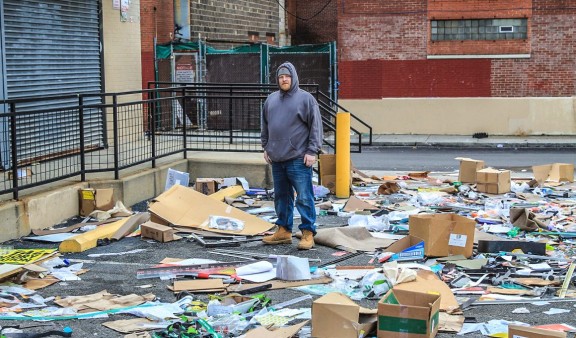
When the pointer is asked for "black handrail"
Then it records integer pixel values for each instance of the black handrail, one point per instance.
(142, 130)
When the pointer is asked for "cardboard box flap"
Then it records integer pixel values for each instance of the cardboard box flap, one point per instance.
(427, 281)
(408, 314)
(334, 315)
(366, 311)
(556, 172)
(186, 207)
(407, 248)
(468, 168)
(418, 302)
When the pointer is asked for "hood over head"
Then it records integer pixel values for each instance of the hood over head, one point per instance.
(288, 68)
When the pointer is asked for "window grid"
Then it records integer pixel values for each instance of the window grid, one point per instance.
(484, 29)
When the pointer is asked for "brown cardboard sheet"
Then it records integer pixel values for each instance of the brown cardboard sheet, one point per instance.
(427, 281)
(183, 206)
(351, 239)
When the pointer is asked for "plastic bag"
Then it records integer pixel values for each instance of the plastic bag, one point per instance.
(370, 222)
(225, 223)
(320, 191)
(375, 284)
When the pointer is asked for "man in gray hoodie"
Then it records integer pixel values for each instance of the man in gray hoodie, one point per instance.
(291, 137)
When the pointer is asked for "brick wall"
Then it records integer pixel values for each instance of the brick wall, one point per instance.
(316, 22)
(384, 49)
(160, 23)
(479, 9)
(389, 30)
(233, 19)
(376, 79)
(551, 69)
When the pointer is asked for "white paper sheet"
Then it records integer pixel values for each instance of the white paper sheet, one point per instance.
(257, 272)
(292, 268)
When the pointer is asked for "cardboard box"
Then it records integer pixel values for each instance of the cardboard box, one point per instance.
(409, 248)
(408, 314)
(327, 171)
(91, 199)
(158, 232)
(556, 172)
(444, 234)
(334, 315)
(207, 186)
(468, 169)
(493, 181)
(515, 331)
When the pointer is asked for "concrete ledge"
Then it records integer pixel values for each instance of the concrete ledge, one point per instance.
(215, 164)
(57, 203)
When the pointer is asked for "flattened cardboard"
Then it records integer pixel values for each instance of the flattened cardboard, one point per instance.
(198, 285)
(275, 332)
(516, 331)
(355, 204)
(334, 315)
(183, 206)
(158, 232)
(408, 314)
(129, 325)
(555, 172)
(444, 234)
(493, 181)
(468, 168)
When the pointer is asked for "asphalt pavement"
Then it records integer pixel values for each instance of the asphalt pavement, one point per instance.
(117, 275)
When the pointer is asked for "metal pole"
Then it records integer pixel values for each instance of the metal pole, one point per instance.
(14, 153)
(81, 128)
(115, 133)
(184, 146)
(343, 155)
(230, 117)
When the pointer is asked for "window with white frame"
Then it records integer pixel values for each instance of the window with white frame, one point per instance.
(479, 29)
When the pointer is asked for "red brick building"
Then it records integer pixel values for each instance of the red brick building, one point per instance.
(156, 22)
(456, 48)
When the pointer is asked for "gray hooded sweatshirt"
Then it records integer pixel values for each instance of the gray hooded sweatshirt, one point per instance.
(291, 122)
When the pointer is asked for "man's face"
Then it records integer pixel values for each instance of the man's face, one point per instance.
(285, 82)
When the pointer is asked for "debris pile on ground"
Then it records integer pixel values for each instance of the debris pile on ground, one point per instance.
(426, 249)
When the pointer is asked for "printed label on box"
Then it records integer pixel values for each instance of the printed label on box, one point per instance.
(87, 195)
(457, 240)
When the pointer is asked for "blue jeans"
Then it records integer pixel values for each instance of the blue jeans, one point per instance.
(289, 176)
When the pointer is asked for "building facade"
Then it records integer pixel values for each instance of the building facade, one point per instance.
(444, 57)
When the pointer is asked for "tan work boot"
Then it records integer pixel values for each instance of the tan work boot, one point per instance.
(281, 236)
(307, 240)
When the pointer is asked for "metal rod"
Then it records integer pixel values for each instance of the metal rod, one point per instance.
(523, 301)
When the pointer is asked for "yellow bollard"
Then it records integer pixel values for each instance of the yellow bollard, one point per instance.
(343, 155)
